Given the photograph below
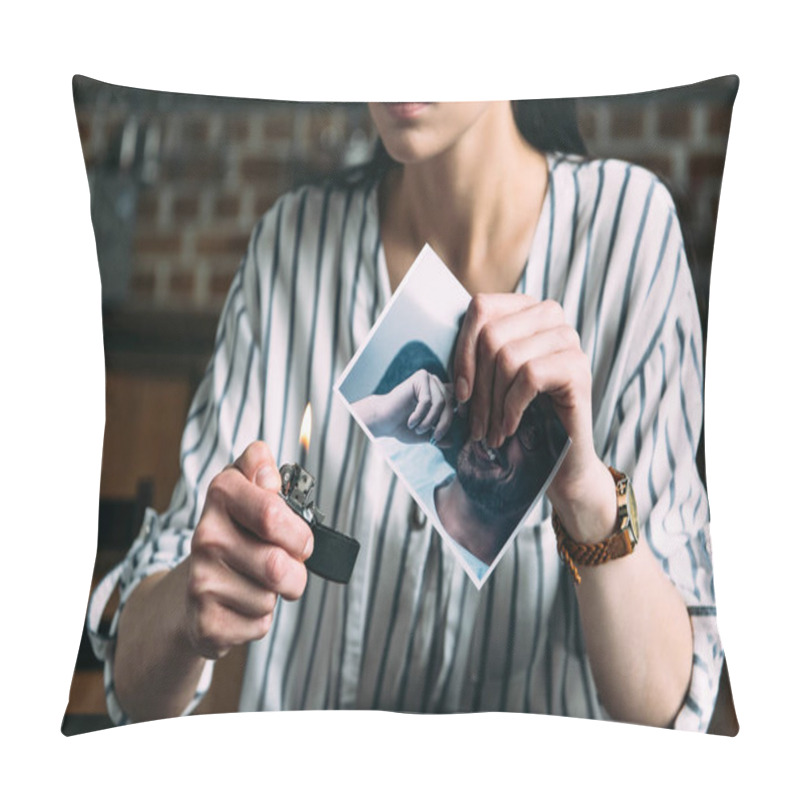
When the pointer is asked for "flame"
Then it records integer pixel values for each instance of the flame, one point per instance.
(305, 429)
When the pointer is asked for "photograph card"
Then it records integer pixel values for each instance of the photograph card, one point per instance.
(399, 388)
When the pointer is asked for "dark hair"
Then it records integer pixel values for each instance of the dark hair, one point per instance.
(547, 125)
(550, 125)
(412, 356)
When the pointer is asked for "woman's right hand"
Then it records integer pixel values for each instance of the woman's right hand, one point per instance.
(248, 549)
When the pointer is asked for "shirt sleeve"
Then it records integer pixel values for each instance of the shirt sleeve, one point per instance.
(655, 434)
(224, 417)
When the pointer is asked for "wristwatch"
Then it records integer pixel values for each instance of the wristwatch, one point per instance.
(619, 543)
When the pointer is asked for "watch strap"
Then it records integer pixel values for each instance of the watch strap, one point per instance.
(334, 554)
(619, 543)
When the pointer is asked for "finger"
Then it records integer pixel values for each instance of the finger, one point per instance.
(492, 338)
(509, 361)
(438, 401)
(422, 389)
(216, 628)
(264, 514)
(238, 551)
(247, 606)
(230, 587)
(273, 569)
(285, 575)
(565, 376)
(445, 421)
(258, 465)
(482, 308)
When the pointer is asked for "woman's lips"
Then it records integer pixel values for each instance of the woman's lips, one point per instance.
(404, 111)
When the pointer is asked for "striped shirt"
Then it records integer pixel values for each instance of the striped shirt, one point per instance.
(410, 632)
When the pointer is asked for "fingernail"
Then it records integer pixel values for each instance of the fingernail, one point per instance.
(462, 390)
(476, 431)
(268, 478)
(309, 548)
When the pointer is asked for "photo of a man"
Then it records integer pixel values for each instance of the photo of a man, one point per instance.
(475, 495)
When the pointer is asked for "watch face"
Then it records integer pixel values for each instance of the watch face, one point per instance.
(633, 515)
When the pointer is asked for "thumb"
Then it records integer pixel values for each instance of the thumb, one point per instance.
(258, 465)
(268, 477)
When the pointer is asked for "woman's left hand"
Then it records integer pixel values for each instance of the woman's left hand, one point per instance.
(512, 348)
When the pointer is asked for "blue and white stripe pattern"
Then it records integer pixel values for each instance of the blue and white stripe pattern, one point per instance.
(410, 632)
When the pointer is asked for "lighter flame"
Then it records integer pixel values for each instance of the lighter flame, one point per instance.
(305, 429)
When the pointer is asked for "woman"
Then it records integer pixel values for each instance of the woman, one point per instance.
(581, 291)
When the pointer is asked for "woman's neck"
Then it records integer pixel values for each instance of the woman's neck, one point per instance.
(476, 204)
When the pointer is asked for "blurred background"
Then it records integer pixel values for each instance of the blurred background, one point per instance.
(178, 182)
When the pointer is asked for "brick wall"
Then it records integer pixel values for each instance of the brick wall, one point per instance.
(682, 136)
(198, 173)
(184, 179)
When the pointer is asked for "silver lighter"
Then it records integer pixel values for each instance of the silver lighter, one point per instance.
(334, 553)
(297, 486)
